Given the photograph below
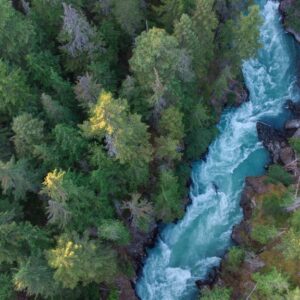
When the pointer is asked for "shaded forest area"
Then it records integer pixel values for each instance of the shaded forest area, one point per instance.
(103, 105)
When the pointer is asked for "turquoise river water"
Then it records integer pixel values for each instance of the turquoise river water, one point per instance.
(188, 250)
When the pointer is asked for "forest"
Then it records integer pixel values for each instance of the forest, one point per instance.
(103, 106)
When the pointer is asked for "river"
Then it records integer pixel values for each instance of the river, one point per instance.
(188, 250)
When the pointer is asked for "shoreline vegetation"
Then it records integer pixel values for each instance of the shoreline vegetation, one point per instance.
(103, 105)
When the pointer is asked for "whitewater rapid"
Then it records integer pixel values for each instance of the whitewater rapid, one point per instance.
(187, 251)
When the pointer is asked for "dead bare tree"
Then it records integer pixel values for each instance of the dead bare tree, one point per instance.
(78, 33)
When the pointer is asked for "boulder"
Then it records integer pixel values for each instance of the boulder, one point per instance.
(126, 291)
(293, 107)
(287, 155)
(253, 263)
(292, 124)
(297, 133)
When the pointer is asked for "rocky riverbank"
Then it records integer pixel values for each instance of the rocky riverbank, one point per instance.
(256, 254)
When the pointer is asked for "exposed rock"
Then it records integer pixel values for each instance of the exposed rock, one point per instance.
(125, 288)
(236, 94)
(209, 280)
(272, 139)
(239, 91)
(254, 187)
(292, 106)
(241, 232)
(297, 133)
(292, 124)
(287, 155)
(253, 262)
(140, 241)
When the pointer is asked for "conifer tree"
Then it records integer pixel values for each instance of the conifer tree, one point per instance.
(76, 259)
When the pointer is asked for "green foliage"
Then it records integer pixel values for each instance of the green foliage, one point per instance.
(271, 285)
(167, 148)
(295, 221)
(239, 37)
(205, 24)
(6, 288)
(35, 276)
(16, 178)
(273, 206)
(28, 133)
(170, 10)
(155, 56)
(19, 240)
(76, 259)
(200, 131)
(129, 15)
(168, 204)
(277, 174)
(247, 34)
(263, 233)
(216, 293)
(295, 143)
(55, 112)
(291, 245)
(294, 294)
(14, 91)
(291, 16)
(126, 135)
(115, 231)
(17, 37)
(235, 258)
(171, 123)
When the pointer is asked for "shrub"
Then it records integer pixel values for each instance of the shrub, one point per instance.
(295, 221)
(295, 143)
(273, 205)
(235, 258)
(277, 174)
(291, 245)
(270, 285)
(263, 233)
(216, 294)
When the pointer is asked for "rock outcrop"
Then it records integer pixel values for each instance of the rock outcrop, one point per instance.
(275, 142)
(288, 11)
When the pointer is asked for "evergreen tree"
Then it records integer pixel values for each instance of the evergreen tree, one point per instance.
(168, 203)
(14, 91)
(205, 24)
(156, 55)
(76, 259)
(16, 178)
(36, 278)
(28, 133)
(129, 15)
(171, 10)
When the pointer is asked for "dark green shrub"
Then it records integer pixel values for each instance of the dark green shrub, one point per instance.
(263, 233)
(235, 258)
(216, 294)
(278, 174)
